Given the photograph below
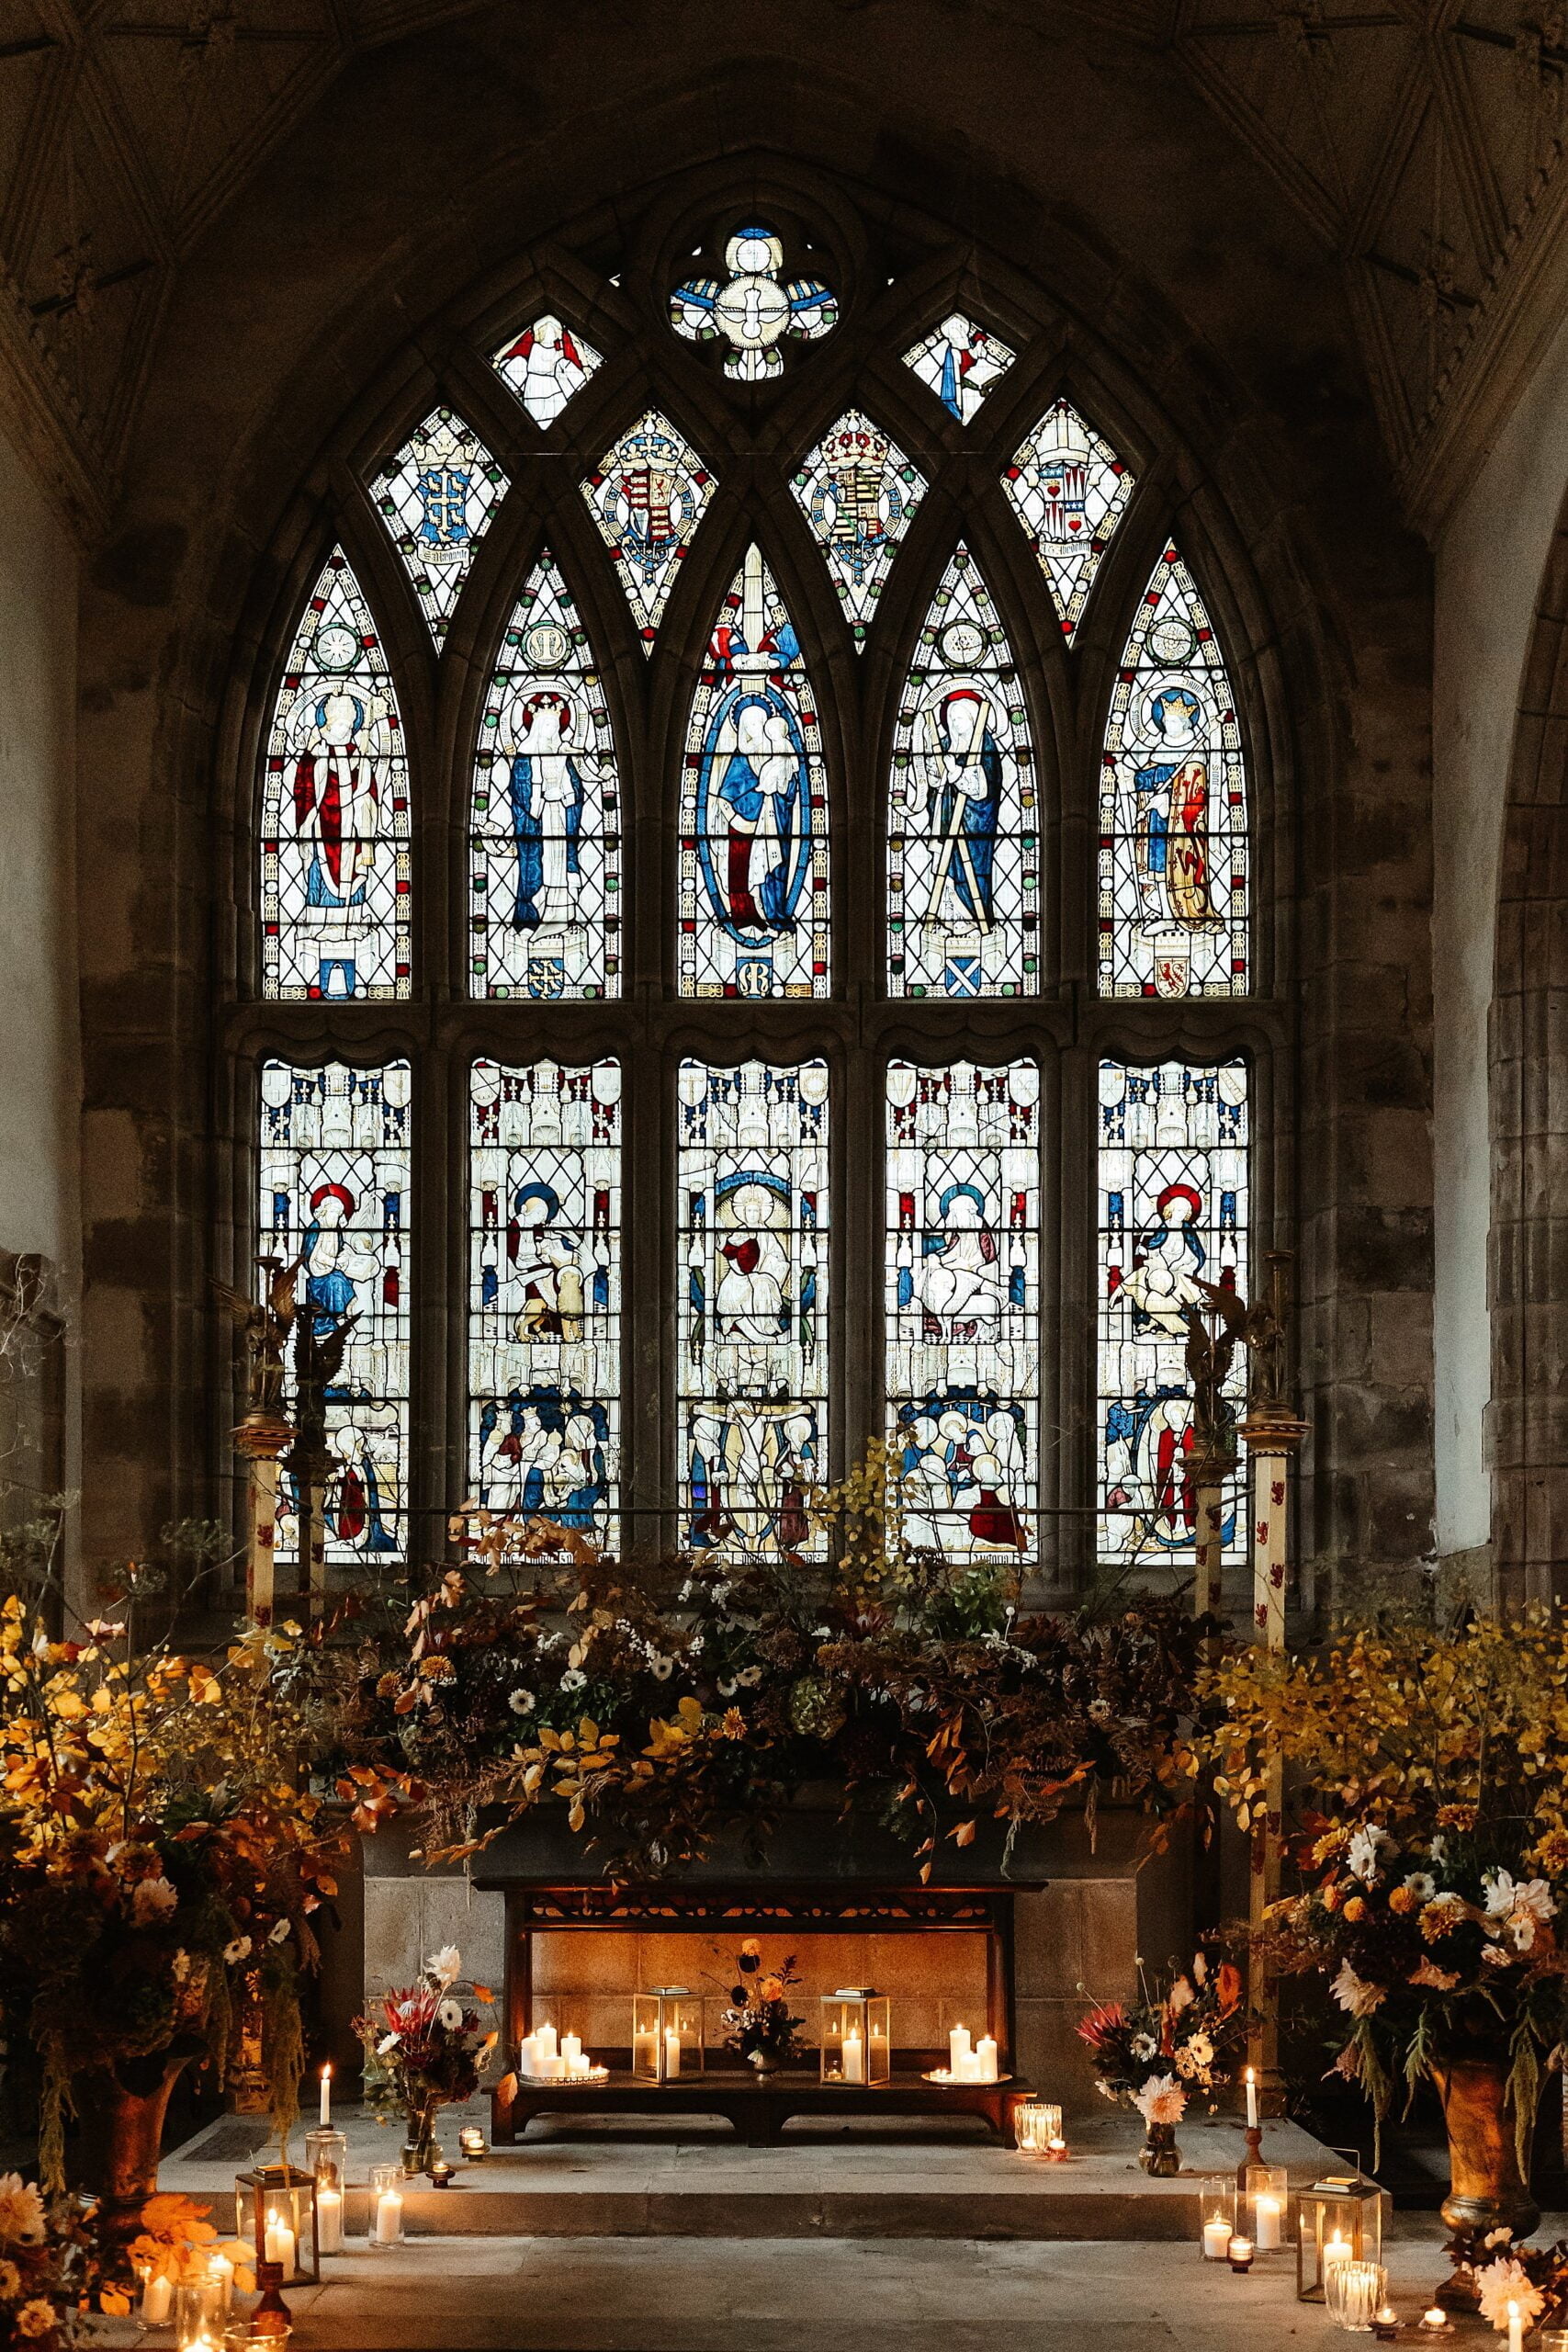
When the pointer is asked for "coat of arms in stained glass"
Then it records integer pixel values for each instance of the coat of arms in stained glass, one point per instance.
(963, 1302)
(544, 919)
(436, 497)
(751, 1290)
(1173, 1185)
(335, 817)
(963, 829)
(335, 1171)
(859, 492)
(648, 497)
(1172, 807)
(751, 309)
(544, 367)
(753, 853)
(1069, 490)
(961, 362)
(544, 1291)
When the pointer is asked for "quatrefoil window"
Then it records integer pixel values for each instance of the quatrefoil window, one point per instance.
(753, 310)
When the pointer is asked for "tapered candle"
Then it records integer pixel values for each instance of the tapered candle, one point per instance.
(326, 2097)
(1251, 2100)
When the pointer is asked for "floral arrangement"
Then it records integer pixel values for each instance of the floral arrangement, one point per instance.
(759, 2024)
(42, 2247)
(425, 2047)
(1155, 2052)
(177, 2241)
(1429, 1767)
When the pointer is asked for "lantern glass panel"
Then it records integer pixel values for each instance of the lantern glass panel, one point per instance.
(667, 2033)
(856, 2037)
(1037, 2124)
(1337, 2220)
(326, 2160)
(1216, 2215)
(1265, 2215)
(199, 2316)
(273, 2199)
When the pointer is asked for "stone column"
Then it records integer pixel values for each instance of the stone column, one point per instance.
(260, 1440)
(1272, 1436)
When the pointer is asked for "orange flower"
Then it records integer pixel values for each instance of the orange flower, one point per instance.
(1227, 1985)
(1356, 1910)
(1405, 1899)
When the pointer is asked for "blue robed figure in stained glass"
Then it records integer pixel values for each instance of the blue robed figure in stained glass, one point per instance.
(545, 786)
(753, 795)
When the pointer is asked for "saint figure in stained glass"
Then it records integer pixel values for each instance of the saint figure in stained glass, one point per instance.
(753, 809)
(436, 497)
(1173, 1212)
(335, 810)
(962, 850)
(962, 1301)
(751, 309)
(1069, 490)
(546, 840)
(1173, 807)
(544, 367)
(544, 1296)
(751, 1315)
(648, 497)
(859, 492)
(961, 362)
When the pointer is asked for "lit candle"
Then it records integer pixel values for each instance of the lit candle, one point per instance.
(546, 2038)
(1337, 2249)
(571, 2051)
(156, 2296)
(1216, 2239)
(957, 2051)
(326, 2097)
(1385, 2323)
(329, 2221)
(1056, 2151)
(645, 2052)
(1516, 2327)
(672, 2052)
(1240, 2251)
(1434, 2319)
(471, 2140)
(1266, 2222)
(1251, 2099)
(986, 2053)
(388, 2217)
(220, 2270)
(855, 2056)
(280, 2243)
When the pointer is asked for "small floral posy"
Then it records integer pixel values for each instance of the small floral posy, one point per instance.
(425, 2047)
(1155, 2054)
(759, 2024)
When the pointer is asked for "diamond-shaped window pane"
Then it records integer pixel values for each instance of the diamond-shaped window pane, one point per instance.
(545, 367)
(436, 498)
(959, 362)
(859, 492)
(647, 495)
(1069, 490)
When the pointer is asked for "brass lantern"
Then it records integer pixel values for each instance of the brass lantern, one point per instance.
(667, 2033)
(857, 2041)
(1339, 2218)
(275, 2207)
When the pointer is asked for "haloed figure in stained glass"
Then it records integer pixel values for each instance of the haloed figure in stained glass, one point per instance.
(1173, 810)
(955, 793)
(539, 739)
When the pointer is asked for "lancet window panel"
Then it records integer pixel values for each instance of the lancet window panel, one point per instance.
(544, 866)
(751, 1293)
(1174, 1212)
(335, 1167)
(961, 1303)
(544, 1290)
(335, 877)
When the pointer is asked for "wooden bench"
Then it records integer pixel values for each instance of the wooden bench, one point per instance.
(758, 2106)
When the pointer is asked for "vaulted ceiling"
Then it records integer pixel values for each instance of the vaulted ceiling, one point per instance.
(1420, 147)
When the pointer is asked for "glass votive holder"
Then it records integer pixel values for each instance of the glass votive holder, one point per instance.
(246, 2335)
(1216, 2211)
(1385, 2323)
(1265, 2212)
(199, 2315)
(471, 2143)
(1239, 2254)
(1353, 2290)
(1037, 2125)
(384, 2225)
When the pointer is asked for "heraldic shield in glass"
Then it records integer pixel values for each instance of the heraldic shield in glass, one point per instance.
(334, 847)
(1069, 490)
(753, 870)
(963, 829)
(544, 1291)
(963, 1302)
(751, 1320)
(544, 367)
(961, 362)
(335, 1159)
(1173, 807)
(648, 497)
(859, 492)
(436, 497)
(1173, 1190)
(545, 919)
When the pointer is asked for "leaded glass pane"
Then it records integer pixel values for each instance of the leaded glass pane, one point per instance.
(648, 497)
(750, 309)
(544, 1290)
(751, 1292)
(753, 809)
(334, 879)
(436, 497)
(963, 840)
(545, 843)
(960, 361)
(1173, 807)
(335, 1159)
(1173, 1192)
(1069, 490)
(963, 1302)
(545, 366)
(859, 492)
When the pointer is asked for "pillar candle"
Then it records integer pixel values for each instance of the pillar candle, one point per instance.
(388, 2216)
(1266, 2225)
(957, 2050)
(528, 2054)
(986, 2052)
(645, 2053)
(1216, 2240)
(329, 2221)
(157, 2294)
(220, 2270)
(326, 2097)
(280, 2243)
(546, 2038)
(855, 2056)
(671, 2053)
(571, 2051)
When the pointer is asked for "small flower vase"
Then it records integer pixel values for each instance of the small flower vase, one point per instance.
(420, 2150)
(1160, 2156)
(765, 2062)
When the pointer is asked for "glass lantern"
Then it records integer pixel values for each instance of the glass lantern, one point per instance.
(1037, 2128)
(275, 2208)
(199, 2315)
(667, 2033)
(384, 2217)
(1216, 2215)
(326, 2161)
(1337, 2220)
(857, 2045)
(1265, 2215)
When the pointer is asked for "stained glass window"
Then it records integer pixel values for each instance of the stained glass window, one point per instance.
(963, 1302)
(335, 1159)
(960, 361)
(546, 919)
(1173, 807)
(544, 1290)
(547, 364)
(1173, 1212)
(751, 1290)
(751, 309)
(859, 492)
(335, 883)
(753, 809)
(1069, 490)
(648, 497)
(436, 497)
(964, 840)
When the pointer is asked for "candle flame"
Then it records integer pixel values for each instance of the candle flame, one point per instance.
(327, 2072)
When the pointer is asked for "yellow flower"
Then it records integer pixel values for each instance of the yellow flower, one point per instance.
(1405, 1899)
(1441, 1915)
(10, 2280)
(1356, 1910)
(1456, 1816)
(36, 2318)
